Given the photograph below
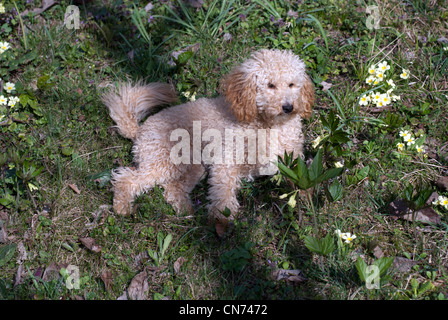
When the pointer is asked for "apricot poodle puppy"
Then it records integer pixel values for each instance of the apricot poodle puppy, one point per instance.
(262, 105)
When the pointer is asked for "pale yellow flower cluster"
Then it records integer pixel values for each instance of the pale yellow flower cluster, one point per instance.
(377, 74)
(409, 143)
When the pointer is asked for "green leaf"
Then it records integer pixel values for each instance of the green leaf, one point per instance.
(335, 190)
(329, 174)
(361, 266)
(287, 172)
(316, 167)
(166, 243)
(312, 244)
(327, 245)
(6, 253)
(320, 246)
(383, 264)
(302, 172)
(363, 173)
(102, 177)
(183, 58)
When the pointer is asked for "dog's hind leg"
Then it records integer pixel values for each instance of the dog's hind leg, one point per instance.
(129, 183)
(176, 191)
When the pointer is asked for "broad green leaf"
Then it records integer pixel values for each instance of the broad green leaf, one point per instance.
(361, 266)
(329, 174)
(316, 167)
(287, 172)
(383, 264)
(6, 253)
(363, 173)
(166, 243)
(183, 58)
(312, 244)
(327, 245)
(335, 190)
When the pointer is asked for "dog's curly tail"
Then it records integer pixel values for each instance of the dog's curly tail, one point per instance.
(134, 102)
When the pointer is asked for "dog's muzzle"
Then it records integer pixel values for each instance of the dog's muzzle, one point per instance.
(287, 108)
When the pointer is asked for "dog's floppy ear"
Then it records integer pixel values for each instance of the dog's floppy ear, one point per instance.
(306, 100)
(239, 89)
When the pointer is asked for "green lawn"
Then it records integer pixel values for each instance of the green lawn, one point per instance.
(58, 147)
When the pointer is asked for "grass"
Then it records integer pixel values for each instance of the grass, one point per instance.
(58, 147)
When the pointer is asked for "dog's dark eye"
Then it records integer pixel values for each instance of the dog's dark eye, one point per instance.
(271, 86)
(291, 85)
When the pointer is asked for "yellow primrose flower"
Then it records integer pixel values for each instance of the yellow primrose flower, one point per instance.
(370, 79)
(376, 97)
(372, 70)
(12, 101)
(9, 87)
(404, 134)
(348, 237)
(444, 201)
(4, 46)
(385, 99)
(380, 75)
(316, 142)
(383, 66)
(364, 100)
(410, 140)
(292, 201)
(404, 74)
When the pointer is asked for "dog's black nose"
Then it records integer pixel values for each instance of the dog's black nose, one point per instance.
(287, 108)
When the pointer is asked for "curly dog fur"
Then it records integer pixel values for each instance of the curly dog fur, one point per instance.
(270, 90)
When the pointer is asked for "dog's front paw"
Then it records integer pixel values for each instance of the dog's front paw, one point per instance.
(122, 208)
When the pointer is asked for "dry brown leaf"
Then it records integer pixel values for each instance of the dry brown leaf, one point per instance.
(442, 183)
(3, 233)
(425, 215)
(179, 262)
(138, 289)
(106, 276)
(74, 188)
(90, 244)
(292, 276)
(402, 264)
(326, 85)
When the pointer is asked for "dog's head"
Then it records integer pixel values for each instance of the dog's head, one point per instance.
(271, 85)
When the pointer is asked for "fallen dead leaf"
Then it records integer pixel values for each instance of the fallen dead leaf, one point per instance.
(90, 244)
(46, 4)
(326, 85)
(442, 183)
(74, 188)
(52, 272)
(138, 288)
(425, 215)
(292, 276)
(377, 252)
(179, 262)
(106, 276)
(3, 233)
(402, 264)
